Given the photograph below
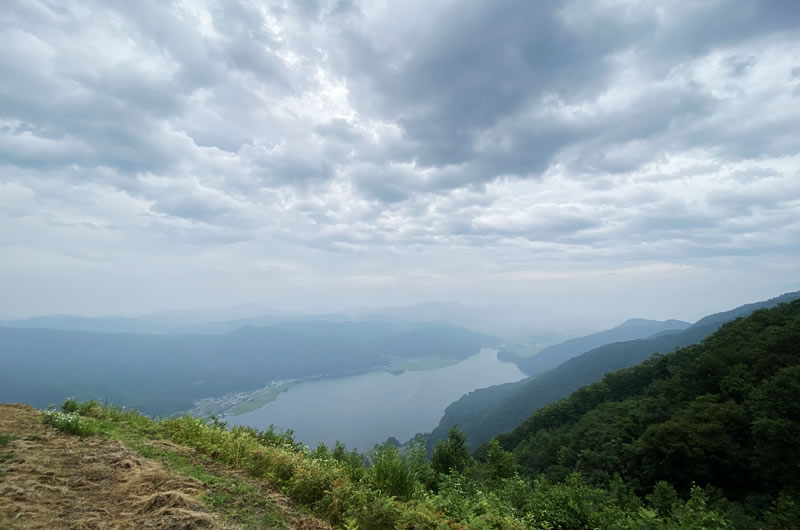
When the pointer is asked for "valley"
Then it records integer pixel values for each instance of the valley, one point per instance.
(365, 409)
(624, 450)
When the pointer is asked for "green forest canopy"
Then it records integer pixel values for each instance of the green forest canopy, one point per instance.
(724, 413)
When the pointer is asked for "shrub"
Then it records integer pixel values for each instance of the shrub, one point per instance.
(70, 405)
(452, 454)
(89, 408)
(277, 438)
(663, 498)
(502, 464)
(71, 423)
(393, 475)
(311, 481)
(378, 512)
(351, 461)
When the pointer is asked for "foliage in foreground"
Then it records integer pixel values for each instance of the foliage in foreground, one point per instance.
(402, 491)
(71, 422)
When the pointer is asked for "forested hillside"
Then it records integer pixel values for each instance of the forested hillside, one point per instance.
(163, 374)
(724, 413)
(488, 412)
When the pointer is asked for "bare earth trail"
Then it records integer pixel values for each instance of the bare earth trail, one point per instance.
(54, 480)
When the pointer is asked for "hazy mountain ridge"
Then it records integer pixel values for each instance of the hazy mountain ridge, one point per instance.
(551, 356)
(158, 323)
(507, 322)
(165, 373)
(487, 412)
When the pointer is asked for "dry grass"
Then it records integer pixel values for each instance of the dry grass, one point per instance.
(53, 480)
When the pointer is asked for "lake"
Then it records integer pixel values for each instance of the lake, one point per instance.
(366, 409)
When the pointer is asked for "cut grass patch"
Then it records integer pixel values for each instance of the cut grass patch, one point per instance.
(244, 502)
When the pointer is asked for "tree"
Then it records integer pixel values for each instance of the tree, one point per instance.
(451, 454)
(663, 498)
(502, 464)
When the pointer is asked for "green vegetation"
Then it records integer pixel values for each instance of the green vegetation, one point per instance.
(487, 412)
(451, 455)
(71, 422)
(724, 414)
(455, 491)
(244, 502)
(261, 398)
(394, 475)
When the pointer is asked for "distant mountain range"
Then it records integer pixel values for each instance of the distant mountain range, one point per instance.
(507, 322)
(163, 322)
(487, 412)
(163, 373)
(552, 356)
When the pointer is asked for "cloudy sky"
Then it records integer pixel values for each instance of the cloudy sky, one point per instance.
(612, 158)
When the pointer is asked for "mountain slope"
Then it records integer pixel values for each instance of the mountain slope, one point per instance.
(91, 324)
(552, 356)
(725, 412)
(487, 412)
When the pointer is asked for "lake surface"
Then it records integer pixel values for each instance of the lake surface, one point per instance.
(366, 409)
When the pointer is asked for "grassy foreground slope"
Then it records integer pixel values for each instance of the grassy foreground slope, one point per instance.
(113, 473)
(120, 469)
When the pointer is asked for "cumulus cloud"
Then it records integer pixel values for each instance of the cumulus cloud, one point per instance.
(264, 148)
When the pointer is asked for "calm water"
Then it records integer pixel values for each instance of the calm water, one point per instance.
(365, 409)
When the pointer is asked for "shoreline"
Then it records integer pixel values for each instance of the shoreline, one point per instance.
(241, 402)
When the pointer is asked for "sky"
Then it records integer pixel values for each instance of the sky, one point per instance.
(587, 160)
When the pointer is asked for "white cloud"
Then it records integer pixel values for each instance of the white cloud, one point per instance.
(160, 154)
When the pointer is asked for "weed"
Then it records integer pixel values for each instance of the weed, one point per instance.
(71, 422)
(393, 474)
(70, 405)
(242, 502)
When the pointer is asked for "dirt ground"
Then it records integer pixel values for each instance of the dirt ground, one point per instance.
(54, 480)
